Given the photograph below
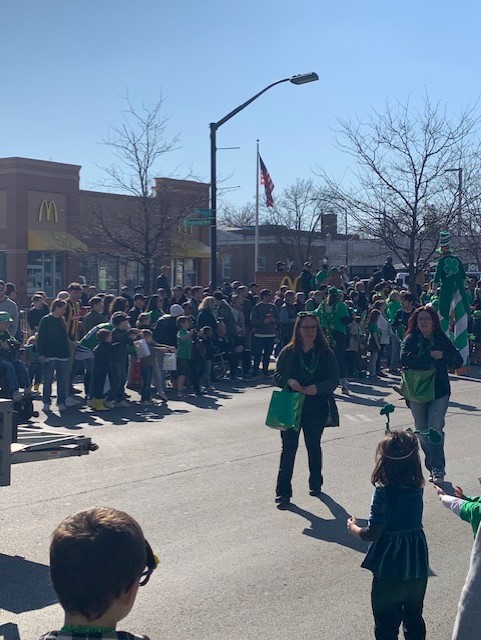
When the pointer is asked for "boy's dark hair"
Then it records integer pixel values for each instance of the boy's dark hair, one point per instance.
(95, 556)
(102, 334)
(397, 461)
(180, 320)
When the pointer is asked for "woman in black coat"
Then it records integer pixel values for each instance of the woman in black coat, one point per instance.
(306, 365)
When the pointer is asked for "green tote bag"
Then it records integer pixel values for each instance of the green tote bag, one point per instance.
(418, 384)
(285, 410)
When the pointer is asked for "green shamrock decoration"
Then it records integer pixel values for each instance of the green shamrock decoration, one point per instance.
(432, 434)
(451, 266)
(386, 411)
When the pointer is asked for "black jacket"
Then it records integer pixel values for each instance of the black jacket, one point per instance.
(165, 330)
(415, 354)
(325, 377)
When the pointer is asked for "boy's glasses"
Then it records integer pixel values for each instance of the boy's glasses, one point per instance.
(145, 577)
(152, 562)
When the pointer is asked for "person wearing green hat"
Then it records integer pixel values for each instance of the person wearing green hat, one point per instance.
(15, 370)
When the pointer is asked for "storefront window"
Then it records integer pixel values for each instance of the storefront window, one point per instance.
(58, 276)
(108, 279)
(226, 267)
(88, 266)
(45, 272)
(130, 274)
(185, 272)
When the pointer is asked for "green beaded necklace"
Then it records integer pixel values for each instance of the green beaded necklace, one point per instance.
(80, 628)
(309, 371)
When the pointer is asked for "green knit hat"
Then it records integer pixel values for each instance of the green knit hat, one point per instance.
(444, 240)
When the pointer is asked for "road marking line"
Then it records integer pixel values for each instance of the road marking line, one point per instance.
(363, 417)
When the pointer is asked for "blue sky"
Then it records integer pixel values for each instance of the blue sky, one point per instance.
(65, 64)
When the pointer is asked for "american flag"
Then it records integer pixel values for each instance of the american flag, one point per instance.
(266, 180)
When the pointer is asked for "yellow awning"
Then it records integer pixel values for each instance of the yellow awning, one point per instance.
(41, 240)
(191, 249)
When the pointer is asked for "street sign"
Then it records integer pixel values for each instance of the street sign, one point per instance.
(196, 222)
(203, 212)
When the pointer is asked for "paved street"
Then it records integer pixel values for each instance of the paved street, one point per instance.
(200, 476)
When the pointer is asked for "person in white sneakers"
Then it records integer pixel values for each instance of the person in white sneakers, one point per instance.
(54, 352)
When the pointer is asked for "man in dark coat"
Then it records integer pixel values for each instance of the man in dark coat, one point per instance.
(388, 271)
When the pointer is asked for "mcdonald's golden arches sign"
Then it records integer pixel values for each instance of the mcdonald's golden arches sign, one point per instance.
(48, 208)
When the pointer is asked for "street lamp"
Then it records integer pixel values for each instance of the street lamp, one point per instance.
(459, 171)
(301, 78)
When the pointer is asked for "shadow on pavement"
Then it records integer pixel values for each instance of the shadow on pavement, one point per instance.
(331, 530)
(29, 587)
(370, 402)
(9, 631)
(78, 418)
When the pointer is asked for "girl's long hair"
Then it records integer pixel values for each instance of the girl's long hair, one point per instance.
(413, 320)
(320, 342)
(397, 461)
(373, 316)
(152, 303)
(118, 304)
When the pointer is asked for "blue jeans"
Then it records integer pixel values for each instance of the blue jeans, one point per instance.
(61, 368)
(118, 378)
(430, 415)
(395, 352)
(146, 372)
(35, 371)
(262, 348)
(17, 374)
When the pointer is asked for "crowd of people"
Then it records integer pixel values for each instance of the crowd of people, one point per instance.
(124, 341)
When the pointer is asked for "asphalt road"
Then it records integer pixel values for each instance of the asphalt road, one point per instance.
(199, 476)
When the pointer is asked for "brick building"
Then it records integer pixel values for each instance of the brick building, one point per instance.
(47, 239)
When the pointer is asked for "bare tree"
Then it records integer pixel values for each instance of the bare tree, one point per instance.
(404, 160)
(140, 229)
(470, 203)
(243, 216)
(296, 218)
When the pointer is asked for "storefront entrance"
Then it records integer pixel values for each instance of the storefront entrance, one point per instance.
(45, 272)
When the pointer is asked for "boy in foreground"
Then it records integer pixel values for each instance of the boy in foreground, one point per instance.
(98, 559)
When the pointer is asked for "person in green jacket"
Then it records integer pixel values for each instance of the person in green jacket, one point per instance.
(466, 507)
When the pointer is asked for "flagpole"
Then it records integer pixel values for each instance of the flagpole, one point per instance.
(256, 235)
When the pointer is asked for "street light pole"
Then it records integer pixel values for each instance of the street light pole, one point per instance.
(301, 78)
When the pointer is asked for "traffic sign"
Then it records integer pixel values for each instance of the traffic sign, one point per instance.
(203, 212)
(196, 222)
